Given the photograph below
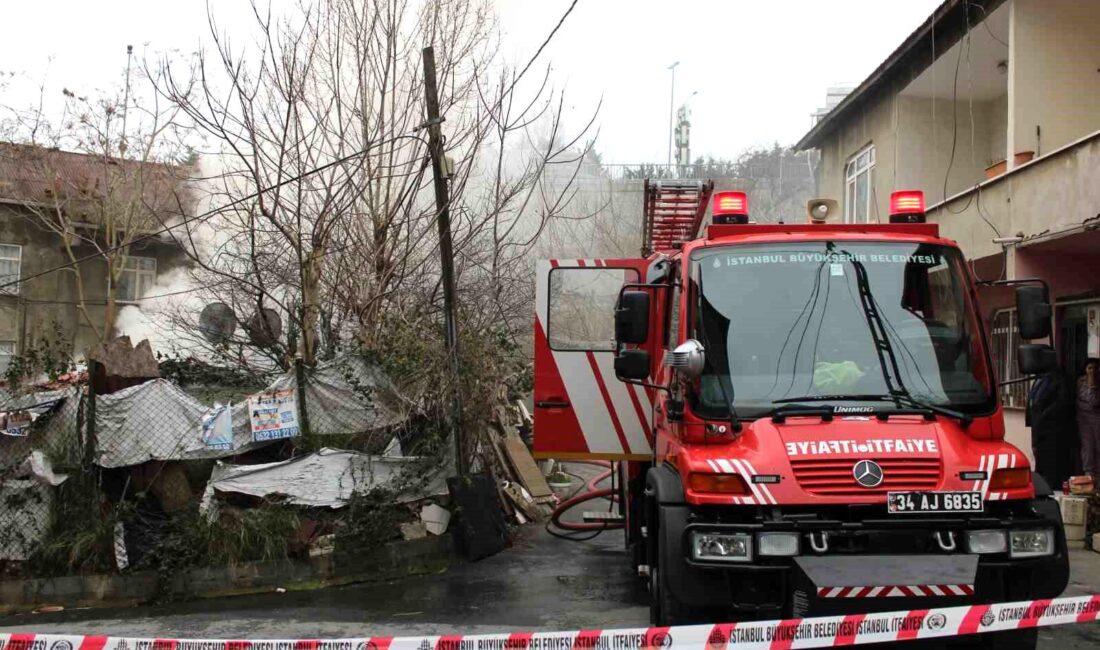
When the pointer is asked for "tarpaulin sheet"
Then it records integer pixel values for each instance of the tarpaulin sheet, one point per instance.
(159, 421)
(26, 517)
(325, 478)
(54, 432)
(151, 421)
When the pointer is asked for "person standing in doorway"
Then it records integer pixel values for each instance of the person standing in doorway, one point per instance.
(1050, 416)
(1088, 417)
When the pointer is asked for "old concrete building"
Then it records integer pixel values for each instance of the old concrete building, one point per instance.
(992, 108)
(58, 206)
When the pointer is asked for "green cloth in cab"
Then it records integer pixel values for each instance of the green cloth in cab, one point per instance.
(837, 377)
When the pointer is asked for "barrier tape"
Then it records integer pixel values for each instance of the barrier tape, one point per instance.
(789, 634)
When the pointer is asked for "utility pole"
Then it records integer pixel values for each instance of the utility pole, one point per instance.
(440, 175)
(671, 94)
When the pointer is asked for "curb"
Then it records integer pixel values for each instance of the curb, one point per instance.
(394, 560)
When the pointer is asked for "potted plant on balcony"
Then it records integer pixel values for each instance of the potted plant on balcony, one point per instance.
(999, 167)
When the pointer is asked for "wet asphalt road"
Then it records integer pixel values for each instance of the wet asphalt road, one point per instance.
(541, 583)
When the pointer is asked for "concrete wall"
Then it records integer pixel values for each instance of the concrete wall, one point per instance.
(997, 129)
(913, 146)
(925, 140)
(875, 125)
(1049, 195)
(1053, 81)
(49, 302)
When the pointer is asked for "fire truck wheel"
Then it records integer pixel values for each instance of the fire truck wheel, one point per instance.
(664, 608)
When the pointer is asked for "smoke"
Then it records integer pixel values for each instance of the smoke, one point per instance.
(156, 317)
(167, 314)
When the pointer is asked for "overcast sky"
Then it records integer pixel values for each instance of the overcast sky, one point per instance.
(759, 67)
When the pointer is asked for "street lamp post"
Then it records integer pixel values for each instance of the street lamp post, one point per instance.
(671, 94)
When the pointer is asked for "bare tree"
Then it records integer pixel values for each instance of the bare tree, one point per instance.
(326, 110)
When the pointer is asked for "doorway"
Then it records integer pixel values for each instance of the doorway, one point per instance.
(1073, 337)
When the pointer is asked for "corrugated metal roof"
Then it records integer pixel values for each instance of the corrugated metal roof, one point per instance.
(79, 183)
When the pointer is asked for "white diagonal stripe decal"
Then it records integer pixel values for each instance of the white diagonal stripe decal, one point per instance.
(978, 482)
(633, 428)
(725, 465)
(770, 498)
(748, 480)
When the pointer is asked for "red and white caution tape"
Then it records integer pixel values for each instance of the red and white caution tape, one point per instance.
(820, 632)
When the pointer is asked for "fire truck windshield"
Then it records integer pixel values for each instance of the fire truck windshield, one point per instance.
(836, 318)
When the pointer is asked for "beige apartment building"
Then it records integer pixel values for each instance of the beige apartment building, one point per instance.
(992, 108)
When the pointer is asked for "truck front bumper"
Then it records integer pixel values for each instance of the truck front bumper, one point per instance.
(873, 563)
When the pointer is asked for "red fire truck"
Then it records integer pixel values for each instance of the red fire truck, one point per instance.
(805, 414)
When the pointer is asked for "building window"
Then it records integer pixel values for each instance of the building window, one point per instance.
(1006, 340)
(859, 177)
(7, 351)
(136, 278)
(11, 259)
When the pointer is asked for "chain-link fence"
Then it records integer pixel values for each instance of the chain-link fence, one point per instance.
(148, 476)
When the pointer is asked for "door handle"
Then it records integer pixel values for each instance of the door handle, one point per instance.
(552, 405)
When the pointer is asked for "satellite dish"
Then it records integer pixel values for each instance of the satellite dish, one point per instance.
(217, 322)
(264, 327)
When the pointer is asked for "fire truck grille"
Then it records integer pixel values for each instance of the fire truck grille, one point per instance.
(834, 477)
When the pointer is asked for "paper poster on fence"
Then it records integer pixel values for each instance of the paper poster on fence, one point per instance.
(217, 427)
(18, 423)
(274, 415)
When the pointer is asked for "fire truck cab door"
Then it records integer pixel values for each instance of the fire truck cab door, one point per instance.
(581, 409)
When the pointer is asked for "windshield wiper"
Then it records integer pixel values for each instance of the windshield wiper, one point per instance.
(962, 418)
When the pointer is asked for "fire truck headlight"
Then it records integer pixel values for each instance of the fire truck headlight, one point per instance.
(986, 541)
(777, 544)
(1031, 543)
(721, 547)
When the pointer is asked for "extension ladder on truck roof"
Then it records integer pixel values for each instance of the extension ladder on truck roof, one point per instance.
(673, 212)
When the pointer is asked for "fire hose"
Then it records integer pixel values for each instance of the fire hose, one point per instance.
(588, 492)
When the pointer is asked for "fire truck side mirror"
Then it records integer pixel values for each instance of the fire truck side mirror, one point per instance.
(1036, 359)
(1033, 312)
(632, 364)
(632, 318)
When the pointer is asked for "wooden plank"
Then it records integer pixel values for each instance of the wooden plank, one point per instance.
(524, 413)
(516, 497)
(505, 468)
(526, 468)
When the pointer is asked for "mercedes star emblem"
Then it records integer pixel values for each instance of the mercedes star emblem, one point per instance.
(867, 473)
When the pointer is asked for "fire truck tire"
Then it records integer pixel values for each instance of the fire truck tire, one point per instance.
(664, 608)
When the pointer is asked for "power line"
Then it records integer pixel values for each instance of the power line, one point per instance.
(121, 303)
(207, 214)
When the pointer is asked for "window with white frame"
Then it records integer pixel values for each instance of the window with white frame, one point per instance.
(137, 276)
(7, 351)
(11, 259)
(859, 177)
(1006, 340)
